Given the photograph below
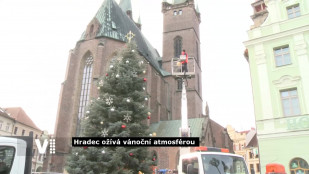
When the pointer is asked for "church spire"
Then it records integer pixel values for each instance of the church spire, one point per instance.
(126, 6)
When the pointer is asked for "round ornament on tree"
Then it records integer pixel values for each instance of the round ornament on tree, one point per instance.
(145, 79)
(123, 126)
(131, 154)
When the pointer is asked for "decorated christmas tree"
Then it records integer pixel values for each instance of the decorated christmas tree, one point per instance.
(119, 111)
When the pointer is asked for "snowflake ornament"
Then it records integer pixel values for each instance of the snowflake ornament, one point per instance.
(109, 101)
(104, 132)
(134, 74)
(127, 117)
(101, 83)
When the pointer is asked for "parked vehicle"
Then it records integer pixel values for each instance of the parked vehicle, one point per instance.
(209, 160)
(274, 168)
(16, 155)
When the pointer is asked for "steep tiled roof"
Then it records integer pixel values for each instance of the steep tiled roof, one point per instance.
(171, 128)
(115, 24)
(20, 116)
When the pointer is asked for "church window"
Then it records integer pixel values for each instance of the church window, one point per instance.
(293, 11)
(177, 46)
(197, 53)
(180, 12)
(198, 83)
(85, 90)
(179, 84)
(91, 30)
(298, 165)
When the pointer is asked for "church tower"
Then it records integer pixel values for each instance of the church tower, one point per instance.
(181, 22)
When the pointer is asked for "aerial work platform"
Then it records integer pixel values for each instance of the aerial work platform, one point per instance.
(177, 67)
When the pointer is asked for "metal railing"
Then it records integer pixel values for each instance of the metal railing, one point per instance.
(178, 69)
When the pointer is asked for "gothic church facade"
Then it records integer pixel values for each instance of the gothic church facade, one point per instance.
(96, 50)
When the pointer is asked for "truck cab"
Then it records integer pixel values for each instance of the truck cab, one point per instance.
(209, 160)
(15, 155)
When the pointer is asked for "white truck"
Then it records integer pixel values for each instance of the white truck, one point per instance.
(209, 160)
(15, 155)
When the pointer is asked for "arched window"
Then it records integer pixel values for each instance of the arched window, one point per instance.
(91, 30)
(298, 165)
(197, 53)
(177, 46)
(85, 91)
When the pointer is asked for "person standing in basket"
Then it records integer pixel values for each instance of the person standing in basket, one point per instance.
(185, 62)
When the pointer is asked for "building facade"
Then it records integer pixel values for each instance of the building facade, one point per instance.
(245, 144)
(278, 55)
(6, 123)
(96, 50)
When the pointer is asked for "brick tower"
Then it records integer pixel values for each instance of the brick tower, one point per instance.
(181, 22)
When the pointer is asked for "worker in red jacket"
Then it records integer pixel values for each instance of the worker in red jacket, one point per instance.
(185, 62)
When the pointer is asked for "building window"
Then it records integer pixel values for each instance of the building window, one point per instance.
(290, 103)
(259, 7)
(258, 167)
(180, 12)
(250, 155)
(177, 46)
(23, 133)
(1, 125)
(85, 91)
(175, 13)
(33, 152)
(282, 56)
(197, 53)
(15, 130)
(198, 83)
(7, 127)
(293, 11)
(298, 165)
(179, 84)
(251, 168)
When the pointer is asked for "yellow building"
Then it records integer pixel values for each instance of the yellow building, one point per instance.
(245, 144)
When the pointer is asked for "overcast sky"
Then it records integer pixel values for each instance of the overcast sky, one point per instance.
(36, 36)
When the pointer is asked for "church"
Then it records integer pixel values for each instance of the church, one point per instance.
(95, 51)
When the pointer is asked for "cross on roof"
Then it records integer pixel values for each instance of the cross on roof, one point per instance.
(130, 35)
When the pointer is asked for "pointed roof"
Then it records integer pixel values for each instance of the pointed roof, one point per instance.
(115, 24)
(125, 5)
(197, 9)
(139, 20)
(20, 116)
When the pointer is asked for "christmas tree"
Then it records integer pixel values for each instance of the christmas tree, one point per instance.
(119, 111)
